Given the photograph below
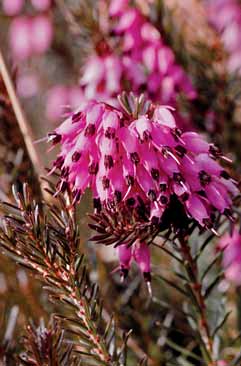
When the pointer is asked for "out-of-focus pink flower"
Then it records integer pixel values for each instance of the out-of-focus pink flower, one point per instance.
(75, 96)
(222, 363)
(232, 256)
(41, 5)
(117, 7)
(20, 37)
(225, 15)
(41, 33)
(29, 36)
(62, 99)
(57, 101)
(27, 85)
(146, 64)
(102, 77)
(12, 7)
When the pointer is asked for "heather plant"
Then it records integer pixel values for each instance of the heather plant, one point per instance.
(120, 238)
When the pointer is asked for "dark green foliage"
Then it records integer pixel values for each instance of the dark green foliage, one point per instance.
(45, 239)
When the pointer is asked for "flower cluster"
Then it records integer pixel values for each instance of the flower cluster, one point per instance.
(231, 246)
(141, 160)
(226, 17)
(134, 57)
(29, 35)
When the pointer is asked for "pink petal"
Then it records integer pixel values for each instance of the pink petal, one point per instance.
(196, 208)
(163, 116)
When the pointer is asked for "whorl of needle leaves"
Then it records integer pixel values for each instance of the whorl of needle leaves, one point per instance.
(45, 240)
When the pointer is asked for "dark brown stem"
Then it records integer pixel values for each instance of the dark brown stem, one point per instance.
(196, 288)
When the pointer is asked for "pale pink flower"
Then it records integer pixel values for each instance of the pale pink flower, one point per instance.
(41, 5)
(12, 7)
(61, 100)
(41, 34)
(222, 363)
(136, 59)
(231, 246)
(27, 85)
(20, 37)
(57, 101)
(225, 15)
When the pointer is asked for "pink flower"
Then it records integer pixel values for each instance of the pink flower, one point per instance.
(57, 100)
(140, 253)
(222, 363)
(61, 99)
(41, 5)
(41, 34)
(231, 246)
(226, 17)
(29, 36)
(142, 169)
(12, 7)
(142, 159)
(136, 59)
(20, 37)
(27, 85)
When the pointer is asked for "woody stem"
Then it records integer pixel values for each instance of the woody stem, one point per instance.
(195, 288)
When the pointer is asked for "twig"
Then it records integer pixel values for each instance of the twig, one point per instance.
(196, 289)
(21, 119)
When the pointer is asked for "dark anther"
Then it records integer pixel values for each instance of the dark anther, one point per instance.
(152, 195)
(181, 151)
(63, 186)
(90, 130)
(163, 200)
(76, 117)
(129, 180)
(110, 133)
(146, 135)
(108, 162)
(135, 158)
(76, 195)
(208, 223)
(224, 175)
(214, 151)
(202, 193)
(105, 182)
(59, 162)
(124, 272)
(65, 172)
(130, 201)
(155, 174)
(204, 177)
(184, 197)
(227, 212)
(176, 133)
(147, 276)
(76, 156)
(118, 196)
(54, 137)
(178, 178)
(97, 204)
(163, 187)
(93, 168)
(165, 150)
(155, 220)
